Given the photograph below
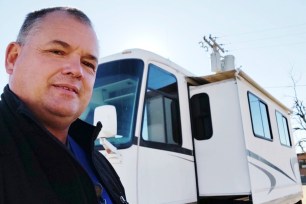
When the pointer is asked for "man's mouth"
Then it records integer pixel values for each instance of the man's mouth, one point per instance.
(67, 87)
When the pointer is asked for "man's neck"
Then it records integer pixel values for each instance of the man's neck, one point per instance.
(60, 135)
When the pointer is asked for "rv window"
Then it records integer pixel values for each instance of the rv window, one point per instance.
(201, 117)
(259, 117)
(161, 120)
(283, 129)
(118, 84)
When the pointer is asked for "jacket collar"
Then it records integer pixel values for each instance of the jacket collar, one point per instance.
(83, 133)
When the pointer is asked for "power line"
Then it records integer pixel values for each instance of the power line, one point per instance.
(289, 86)
(291, 35)
(269, 46)
(272, 37)
(263, 30)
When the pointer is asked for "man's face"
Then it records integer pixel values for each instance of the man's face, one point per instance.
(54, 71)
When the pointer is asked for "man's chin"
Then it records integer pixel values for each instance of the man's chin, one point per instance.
(65, 112)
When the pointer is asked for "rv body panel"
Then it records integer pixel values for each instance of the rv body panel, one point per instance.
(222, 160)
(166, 175)
(263, 168)
(273, 167)
(125, 165)
(153, 172)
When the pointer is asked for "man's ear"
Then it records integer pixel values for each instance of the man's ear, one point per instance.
(11, 55)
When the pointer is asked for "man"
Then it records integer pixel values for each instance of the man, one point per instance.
(46, 152)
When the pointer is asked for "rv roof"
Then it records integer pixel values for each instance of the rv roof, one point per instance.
(212, 78)
(146, 56)
(232, 74)
(193, 80)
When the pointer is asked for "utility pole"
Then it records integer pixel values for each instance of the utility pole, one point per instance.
(213, 44)
(218, 65)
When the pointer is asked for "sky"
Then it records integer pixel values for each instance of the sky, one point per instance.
(267, 38)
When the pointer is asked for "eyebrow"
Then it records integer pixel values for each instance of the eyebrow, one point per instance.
(59, 42)
(66, 45)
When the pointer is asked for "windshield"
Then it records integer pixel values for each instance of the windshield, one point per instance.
(118, 84)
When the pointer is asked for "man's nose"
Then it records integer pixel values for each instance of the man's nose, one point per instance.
(73, 67)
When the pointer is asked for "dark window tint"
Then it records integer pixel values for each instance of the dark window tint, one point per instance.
(201, 117)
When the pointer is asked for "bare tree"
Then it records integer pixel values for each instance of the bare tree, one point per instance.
(299, 115)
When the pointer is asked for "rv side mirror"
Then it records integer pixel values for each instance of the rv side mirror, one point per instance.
(107, 115)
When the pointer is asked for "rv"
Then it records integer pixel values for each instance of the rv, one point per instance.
(177, 138)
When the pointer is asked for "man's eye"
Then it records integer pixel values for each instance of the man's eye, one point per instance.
(57, 52)
(90, 65)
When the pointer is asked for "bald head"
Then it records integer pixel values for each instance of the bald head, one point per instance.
(34, 18)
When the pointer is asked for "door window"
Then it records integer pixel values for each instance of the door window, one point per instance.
(161, 120)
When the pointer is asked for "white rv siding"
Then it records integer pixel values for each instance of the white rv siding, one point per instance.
(166, 176)
(273, 167)
(221, 160)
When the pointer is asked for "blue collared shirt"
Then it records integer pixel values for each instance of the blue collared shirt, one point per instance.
(79, 154)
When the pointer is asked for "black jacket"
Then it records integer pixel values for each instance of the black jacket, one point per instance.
(35, 168)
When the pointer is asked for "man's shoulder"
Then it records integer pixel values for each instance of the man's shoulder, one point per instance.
(6, 139)
(5, 117)
(1, 112)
